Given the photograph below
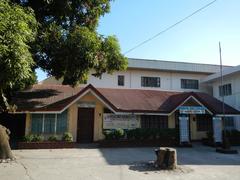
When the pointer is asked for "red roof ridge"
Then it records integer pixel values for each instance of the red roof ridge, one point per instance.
(57, 85)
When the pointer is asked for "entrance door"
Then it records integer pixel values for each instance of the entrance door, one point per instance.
(193, 127)
(85, 125)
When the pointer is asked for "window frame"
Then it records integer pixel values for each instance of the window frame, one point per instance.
(121, 80)
(41, 121)
(51, 130)
(188, 84)
(154, 122)
(148, 81)
(225, 90)
(43, 131)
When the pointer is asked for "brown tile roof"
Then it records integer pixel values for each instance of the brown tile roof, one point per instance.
(56, 97)
(39, 96)
(136, 100)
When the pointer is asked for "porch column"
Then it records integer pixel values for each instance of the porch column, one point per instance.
(184, 128)
(237, 123)
(217, 129)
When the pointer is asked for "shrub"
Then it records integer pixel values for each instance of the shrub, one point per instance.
(28, 138)
(137, 133)
(67, 136)
(114, 134)
(130, 133)
(233, 133)
(118, 133)
(210, 135)
(151, 133)
(37, 138)
(52, 138)
(140, 134)
(33, 138)
(109, 135)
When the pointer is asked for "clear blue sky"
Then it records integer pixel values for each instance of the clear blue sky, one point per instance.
(195, 40)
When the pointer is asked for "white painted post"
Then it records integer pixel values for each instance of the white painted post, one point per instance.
(184, 128)
(237, 123)
(217, 129)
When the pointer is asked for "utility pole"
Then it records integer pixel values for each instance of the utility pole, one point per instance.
(225, 142)
(221, 71)
(226, 146)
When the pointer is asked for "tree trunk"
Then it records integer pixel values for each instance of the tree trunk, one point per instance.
(5, 150)
(166, 158)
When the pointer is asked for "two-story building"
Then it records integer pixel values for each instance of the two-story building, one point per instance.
(149, 94)
(227, 91)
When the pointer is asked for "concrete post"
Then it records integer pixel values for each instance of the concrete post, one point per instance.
(237, 123)
(217, 129)
(184, 128)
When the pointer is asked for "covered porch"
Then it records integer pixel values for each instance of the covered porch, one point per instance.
(197, 120)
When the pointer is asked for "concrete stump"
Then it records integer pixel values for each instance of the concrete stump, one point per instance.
(5, 150)
(166, 158)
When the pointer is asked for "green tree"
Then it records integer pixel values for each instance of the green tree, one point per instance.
(68, 45)
(17, 29)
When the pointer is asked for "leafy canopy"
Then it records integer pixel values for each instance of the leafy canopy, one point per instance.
(67, 45)
(58, 36)
(17, 29)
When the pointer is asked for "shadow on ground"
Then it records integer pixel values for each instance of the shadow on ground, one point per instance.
(137, 158)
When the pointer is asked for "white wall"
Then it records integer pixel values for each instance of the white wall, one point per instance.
(132, 77)
(232, 100)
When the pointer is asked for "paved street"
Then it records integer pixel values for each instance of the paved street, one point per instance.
(196, 163)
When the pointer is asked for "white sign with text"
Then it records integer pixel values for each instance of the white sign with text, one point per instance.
(114, 121)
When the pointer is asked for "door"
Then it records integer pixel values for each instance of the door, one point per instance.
(193, 127)
(85, 125)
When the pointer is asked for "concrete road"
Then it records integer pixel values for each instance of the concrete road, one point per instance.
(196, 163)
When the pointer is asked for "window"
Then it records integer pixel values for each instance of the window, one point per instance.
(225, 90)
(204, 122)
(189, 84)
(49, 123)
(228, 123)
(150, 81)
(120, 80)
(154, 121)
(37, 123)
(61, 122)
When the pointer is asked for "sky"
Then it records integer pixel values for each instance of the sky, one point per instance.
(195, 40)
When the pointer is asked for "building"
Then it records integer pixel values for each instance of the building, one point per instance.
(141, 74)
(229, 91)
(149, 94)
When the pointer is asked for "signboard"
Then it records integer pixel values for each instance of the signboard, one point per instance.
(184, 128)
(114, 121)
(217, 129)
(192, 110)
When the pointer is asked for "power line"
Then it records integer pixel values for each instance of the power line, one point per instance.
(170, 27)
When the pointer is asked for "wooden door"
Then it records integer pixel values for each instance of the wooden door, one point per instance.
(85, 125)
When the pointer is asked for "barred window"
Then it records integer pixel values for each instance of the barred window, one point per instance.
(225, 90)
(150, 81)
(154, 121)
(204, 122)
(189, 84)
(120, 80)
